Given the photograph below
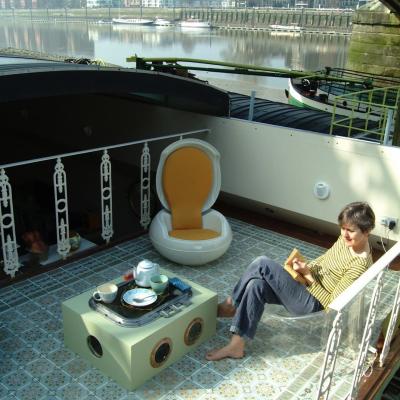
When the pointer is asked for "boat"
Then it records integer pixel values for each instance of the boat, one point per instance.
(194, 23)
(104, 22)
(286, 28)
(162, 22)
(336, 95)
(132, 21)
(266, 191)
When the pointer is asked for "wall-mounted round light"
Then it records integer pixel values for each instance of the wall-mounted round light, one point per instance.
(321, 190)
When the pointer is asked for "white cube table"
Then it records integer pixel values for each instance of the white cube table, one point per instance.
(132, 355)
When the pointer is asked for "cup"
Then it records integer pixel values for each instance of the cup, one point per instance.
(106, 292)
(159, 283)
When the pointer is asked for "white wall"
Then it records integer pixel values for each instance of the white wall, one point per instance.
(278, 166)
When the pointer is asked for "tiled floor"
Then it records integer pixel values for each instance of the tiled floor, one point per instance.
(282, 362)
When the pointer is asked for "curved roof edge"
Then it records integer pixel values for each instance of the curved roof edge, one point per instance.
(29, 80)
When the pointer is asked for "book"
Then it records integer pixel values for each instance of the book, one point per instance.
(288, 266)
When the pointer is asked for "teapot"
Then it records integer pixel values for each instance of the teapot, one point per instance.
(144, 271)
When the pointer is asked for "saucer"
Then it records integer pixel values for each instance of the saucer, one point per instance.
(133, 296)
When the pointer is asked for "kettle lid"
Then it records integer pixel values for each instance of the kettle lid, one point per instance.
(145, 264)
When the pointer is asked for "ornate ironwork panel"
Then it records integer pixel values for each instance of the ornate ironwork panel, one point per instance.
(362, 355)
(61, 205)
(330, 357)
(106, 197)
(7, 227)
(392, 324)
(145, 161)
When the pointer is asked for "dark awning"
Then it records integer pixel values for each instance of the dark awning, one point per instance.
(30, 80)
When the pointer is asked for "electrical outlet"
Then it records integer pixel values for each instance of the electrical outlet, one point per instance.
(389, 222)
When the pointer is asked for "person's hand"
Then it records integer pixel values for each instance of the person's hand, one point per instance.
(300, 266)
(303, 269)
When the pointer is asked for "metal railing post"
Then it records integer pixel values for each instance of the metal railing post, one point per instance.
(331, 351)
(388, 126)
(362, 355)
(106, 197)
(7, 227)
(61, 207)
(390, 330)
(145, 161)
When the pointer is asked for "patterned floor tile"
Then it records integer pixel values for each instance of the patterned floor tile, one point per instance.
(34, 364)
(169, 379)
(77, 367)
(150, 391)
(25, 355)
(61, 356)
(5, 333)
(55, 379)
(111, 391)
(3, 391)
(34, 335)
(16, 379)
(39, 367)
(72, 391)
(187, 366)
(93, 379)
(47, 345)
(224, 367)
(228, 390)
(206, 377)
(32, 391)
(189, 390)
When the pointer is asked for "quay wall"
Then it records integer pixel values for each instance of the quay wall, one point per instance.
(312, 20)
(375, 43)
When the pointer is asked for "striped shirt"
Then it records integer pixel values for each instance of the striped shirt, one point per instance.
(335, 271)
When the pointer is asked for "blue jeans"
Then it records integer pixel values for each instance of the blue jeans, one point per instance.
(265, 281)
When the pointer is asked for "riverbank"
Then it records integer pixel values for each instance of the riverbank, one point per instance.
(310, 20)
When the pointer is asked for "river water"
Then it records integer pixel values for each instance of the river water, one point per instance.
(113, 43)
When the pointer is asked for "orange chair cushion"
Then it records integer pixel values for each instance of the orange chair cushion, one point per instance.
(187, 181)
(194, 234)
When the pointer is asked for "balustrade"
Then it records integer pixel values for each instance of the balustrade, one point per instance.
(7, 220)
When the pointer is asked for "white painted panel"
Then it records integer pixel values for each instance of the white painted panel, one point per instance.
(280, 166)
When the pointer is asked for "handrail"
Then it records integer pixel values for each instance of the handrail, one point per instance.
(8, 238)
(96, 149)
(368, 276)
(374, 106)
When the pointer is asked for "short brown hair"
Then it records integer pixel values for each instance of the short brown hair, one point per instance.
(358, 213)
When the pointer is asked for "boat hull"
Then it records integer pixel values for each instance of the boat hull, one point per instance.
(286, 28)
(162, 22)
(320, 101)
(132, 21)
(195, 24)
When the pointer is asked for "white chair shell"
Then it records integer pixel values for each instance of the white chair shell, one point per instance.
(191, 252)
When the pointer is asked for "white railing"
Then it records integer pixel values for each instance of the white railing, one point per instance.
(375, 272)
(7, 221)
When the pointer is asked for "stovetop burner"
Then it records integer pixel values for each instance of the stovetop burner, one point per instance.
(167, 304)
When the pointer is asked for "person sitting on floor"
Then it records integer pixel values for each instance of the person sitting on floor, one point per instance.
(265, 281)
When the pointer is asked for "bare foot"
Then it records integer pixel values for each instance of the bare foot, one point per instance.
(235, 349)
(226, 309)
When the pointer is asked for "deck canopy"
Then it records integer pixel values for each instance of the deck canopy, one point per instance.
(392, 5)
(24, 79)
